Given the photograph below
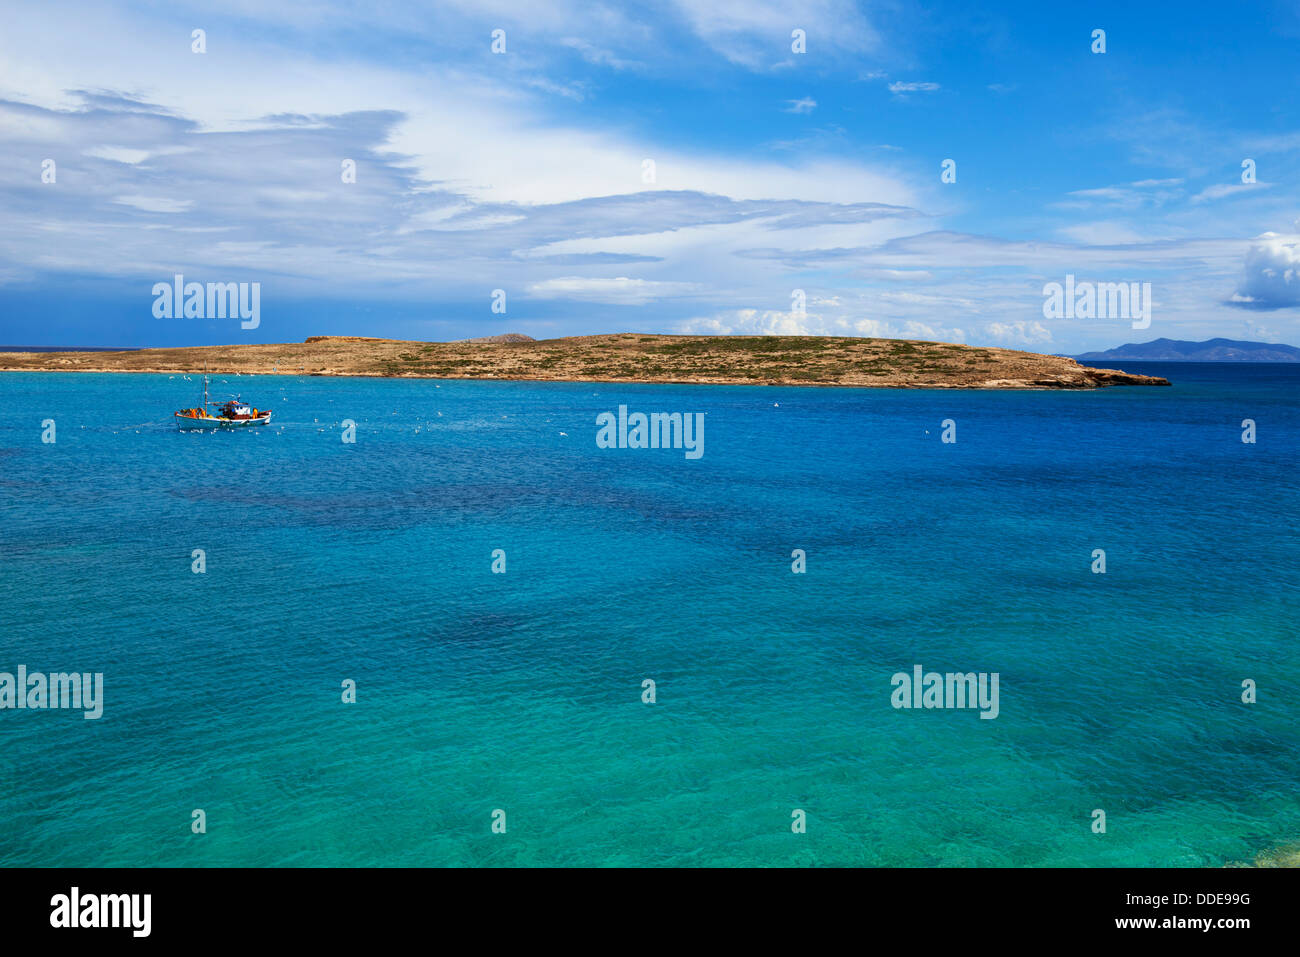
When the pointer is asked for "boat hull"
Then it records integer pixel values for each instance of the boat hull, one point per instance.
(193, 422)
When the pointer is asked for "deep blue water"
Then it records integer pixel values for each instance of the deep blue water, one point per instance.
(371, 561)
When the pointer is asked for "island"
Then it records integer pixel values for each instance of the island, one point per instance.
(621, 357)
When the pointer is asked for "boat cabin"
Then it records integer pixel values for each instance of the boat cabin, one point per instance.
(235, 410)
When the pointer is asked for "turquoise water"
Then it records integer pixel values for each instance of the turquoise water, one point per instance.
(521, 691)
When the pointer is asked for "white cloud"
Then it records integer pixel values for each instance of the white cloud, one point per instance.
(119, 154)
(1019, 333)
(1220, 190)
(948, 250)
(509, 157)
(753, 322)
(898, 87)
(805, 105)
(1104, 233)
(1143, 192)
(908, 275)
(620, 291)
(598, 55)
(1272, 273)
(1103, 192)
(760, 322)
(155, 204)
(756, 33)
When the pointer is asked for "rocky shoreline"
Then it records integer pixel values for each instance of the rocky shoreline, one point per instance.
(625, 357)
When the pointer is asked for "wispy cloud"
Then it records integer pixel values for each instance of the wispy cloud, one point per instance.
(599, 55)
(757, 33)
(899, 86)
(155, 204)
(1223, 190)
(1143, 192)
(620, 291)
(119, 154)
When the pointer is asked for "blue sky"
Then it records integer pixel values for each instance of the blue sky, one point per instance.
(773, 170)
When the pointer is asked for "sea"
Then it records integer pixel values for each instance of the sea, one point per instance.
(435, 623)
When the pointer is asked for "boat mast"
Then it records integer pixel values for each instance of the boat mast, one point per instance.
(205, 385)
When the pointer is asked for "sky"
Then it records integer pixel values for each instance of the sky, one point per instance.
(687, 166)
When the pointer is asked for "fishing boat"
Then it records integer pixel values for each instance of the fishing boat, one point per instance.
(234, 413)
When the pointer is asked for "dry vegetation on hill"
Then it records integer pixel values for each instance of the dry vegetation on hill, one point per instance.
(789, 360)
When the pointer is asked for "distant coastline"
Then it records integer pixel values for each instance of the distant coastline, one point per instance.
(1181, 350)
(623, 357)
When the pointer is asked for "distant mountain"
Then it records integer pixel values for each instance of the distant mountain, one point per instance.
(1211, 350)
